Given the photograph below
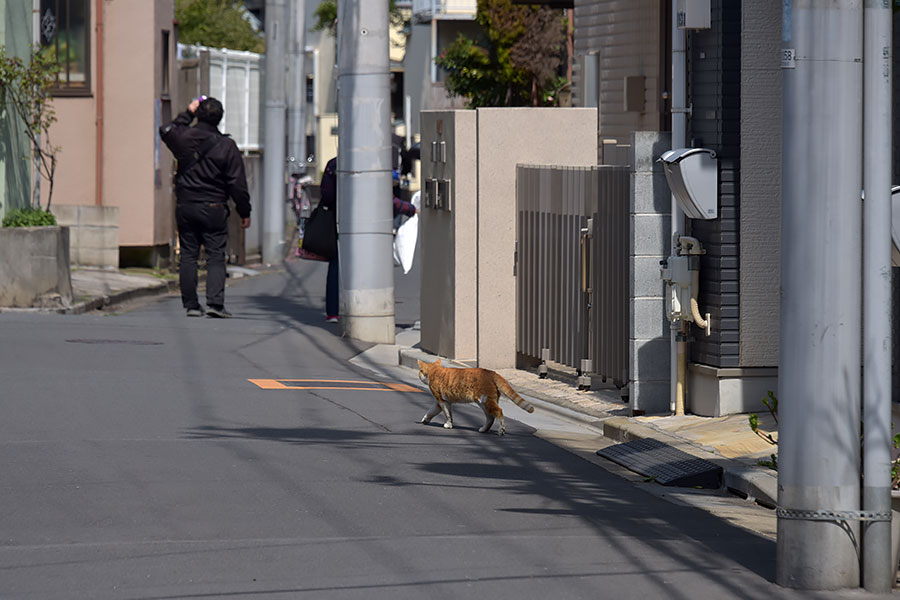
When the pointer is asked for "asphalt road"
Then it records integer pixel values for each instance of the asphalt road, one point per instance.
(148, 455)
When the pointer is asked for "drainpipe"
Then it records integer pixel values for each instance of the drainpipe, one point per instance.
(878, 576)
(677, 343)
(98, 159)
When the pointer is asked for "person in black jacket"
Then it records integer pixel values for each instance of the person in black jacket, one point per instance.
(328, 190)
(210, 170)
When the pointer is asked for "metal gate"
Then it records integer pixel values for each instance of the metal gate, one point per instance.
(572, 267)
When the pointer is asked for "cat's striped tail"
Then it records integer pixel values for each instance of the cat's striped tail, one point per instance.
(506, 389)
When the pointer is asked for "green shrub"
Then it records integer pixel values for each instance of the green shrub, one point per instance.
(29, 217)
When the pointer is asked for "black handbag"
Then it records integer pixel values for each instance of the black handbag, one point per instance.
(320, 234)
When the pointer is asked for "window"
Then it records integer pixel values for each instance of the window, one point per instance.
(164, 75)
(65, 36)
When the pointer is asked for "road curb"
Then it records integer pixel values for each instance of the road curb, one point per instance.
(148, 291)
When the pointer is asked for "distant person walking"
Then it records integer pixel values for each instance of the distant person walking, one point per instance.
(328, 199)
(210, 170)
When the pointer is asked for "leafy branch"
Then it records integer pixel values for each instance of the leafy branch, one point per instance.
(25, 89)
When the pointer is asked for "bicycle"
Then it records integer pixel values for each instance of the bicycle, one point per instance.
(300, 204)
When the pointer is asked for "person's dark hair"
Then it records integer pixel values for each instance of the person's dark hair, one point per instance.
(210, 111)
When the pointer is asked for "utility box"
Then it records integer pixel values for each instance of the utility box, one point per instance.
(693, 176)
(694, 14)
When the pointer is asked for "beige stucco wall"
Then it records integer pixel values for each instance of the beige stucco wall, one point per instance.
(468, 253)
(507, 137)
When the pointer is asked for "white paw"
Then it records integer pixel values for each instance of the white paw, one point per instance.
(448, 425)
(501, 431)
(482, 429)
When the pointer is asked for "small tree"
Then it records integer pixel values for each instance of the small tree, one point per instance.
(517, 62)
(25, 89)
(217, 23)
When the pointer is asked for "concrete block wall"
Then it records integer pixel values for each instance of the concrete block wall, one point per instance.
(34, 267)
(94, 234)
(648, 343)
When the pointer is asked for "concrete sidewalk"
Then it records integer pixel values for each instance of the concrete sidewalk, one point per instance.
(97, 289)
(725, 441)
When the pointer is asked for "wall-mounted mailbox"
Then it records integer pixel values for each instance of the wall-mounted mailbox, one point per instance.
(439, 152)
(693, 176)
(437, 194)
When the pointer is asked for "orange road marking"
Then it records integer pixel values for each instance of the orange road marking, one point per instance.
(376, 386)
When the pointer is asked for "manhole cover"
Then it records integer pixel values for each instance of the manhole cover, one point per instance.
(665, 464)
(128, 342)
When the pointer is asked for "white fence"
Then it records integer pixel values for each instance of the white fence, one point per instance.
(425, 10)
(235, 78)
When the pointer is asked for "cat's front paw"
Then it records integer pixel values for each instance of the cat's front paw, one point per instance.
(448, 425)
(425, 420)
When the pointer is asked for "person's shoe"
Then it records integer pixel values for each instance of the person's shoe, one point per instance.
(195, 312)
(217, 312)
(331, 319)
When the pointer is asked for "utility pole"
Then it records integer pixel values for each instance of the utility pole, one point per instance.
(297, 93)
(365, 213)
(274, 122)
(878, 574)
(819, 366)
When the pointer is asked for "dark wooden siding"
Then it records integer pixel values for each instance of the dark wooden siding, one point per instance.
(714, 86)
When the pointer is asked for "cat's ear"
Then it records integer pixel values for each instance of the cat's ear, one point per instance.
(438, 362)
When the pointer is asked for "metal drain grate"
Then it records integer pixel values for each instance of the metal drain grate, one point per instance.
(665, 464)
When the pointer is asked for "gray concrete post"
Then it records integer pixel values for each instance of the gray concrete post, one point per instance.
(365, 212)
(297, 91)
(819, 366)
(274, 189)
(878, 573)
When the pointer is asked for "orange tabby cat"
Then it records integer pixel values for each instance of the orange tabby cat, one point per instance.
(449, 385)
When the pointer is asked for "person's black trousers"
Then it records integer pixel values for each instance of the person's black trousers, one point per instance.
(206, 224)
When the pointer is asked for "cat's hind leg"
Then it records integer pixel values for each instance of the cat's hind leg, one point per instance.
(432, 413)
(492, 411)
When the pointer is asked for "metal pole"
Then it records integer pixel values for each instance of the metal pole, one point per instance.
(297, 95)
(819, 366)
(878, 573)
(365, 213)
(35, 159)
(677, 346)
(274, 122)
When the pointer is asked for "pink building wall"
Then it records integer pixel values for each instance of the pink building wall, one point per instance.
(136, 168)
